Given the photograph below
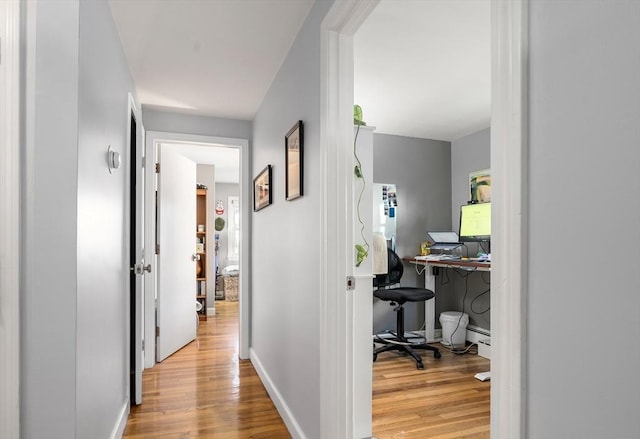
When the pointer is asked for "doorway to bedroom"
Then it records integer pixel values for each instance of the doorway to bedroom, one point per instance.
(211, 211)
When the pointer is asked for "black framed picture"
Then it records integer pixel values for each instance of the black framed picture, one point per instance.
(262, 196)
(294, 142)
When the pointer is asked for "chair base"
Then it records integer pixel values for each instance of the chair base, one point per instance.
(403, 345)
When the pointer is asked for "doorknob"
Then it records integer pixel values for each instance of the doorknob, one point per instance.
(195, 257)
(141, 268)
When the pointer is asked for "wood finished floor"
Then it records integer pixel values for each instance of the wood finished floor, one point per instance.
(205, 391)
(443, 401)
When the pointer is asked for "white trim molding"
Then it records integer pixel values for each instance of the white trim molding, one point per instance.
(508, 168)
(509, 160)
(337, 398)
(123, 416)
(152, 139)
(281, 405)
(10, 218)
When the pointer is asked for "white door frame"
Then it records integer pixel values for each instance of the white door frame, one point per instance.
(508, 165)
(153, 138)
(509, 270)
(10, 218)
(338, 399)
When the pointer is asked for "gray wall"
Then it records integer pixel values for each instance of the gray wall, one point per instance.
(48, 302)
(103, 259)
(432, 182)
(168, 121)
(583, 319)
(284, 258)
(74, 302)
(468, 154)
(421, 170)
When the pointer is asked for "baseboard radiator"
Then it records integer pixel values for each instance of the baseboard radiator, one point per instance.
(482, 338)
(476, 333)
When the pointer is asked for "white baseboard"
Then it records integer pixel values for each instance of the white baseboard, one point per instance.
(276, 397)
(123, 416)
(211, 312)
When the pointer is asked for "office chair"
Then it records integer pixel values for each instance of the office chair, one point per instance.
(398, 296)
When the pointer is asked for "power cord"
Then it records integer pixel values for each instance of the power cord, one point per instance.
(476, 298)
(466, 350)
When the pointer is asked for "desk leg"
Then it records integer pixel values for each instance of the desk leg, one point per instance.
(430, 305)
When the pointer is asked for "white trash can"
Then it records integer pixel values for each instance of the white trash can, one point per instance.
(454, 328)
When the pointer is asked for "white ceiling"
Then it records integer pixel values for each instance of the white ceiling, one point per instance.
(226, 159)
(422, 67)
(207, 57)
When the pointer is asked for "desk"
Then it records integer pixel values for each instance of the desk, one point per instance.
(430, 284)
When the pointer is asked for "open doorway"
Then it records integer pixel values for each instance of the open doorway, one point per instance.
(431, 108)
(422, 79)
(508, 162)
(201, 151)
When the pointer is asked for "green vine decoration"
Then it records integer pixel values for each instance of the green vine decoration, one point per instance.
(362, 251)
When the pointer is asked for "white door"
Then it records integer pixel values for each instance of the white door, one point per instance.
(136, 253)
(176, 305)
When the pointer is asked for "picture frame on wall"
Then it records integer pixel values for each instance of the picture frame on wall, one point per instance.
(294, 148)
(480, 186)
(262, 195)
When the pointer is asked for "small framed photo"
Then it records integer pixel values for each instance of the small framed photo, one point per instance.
(480, 186)
(262, 196)
(294, 142)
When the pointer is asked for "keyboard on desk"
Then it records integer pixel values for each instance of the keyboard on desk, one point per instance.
(452, 259)
(437, 258)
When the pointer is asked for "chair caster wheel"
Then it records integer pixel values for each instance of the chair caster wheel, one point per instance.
(437, 354)
(420, 366)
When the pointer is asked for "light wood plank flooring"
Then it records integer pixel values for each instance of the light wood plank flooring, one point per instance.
(205, 391)
(443, 401)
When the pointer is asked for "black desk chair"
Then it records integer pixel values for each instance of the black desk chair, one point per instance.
(398, 296)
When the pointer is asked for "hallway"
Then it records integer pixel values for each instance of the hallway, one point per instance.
(205, 391)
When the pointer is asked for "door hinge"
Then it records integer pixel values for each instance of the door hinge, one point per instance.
(143, 345)
(157, 249)
(144, 162)
(157, 168)
(351, 283)
(157, 331)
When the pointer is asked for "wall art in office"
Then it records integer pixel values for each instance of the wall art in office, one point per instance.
(480, 186)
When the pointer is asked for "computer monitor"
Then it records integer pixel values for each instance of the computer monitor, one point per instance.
(475, 222)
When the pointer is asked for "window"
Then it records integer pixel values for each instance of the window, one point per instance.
(233, 246)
